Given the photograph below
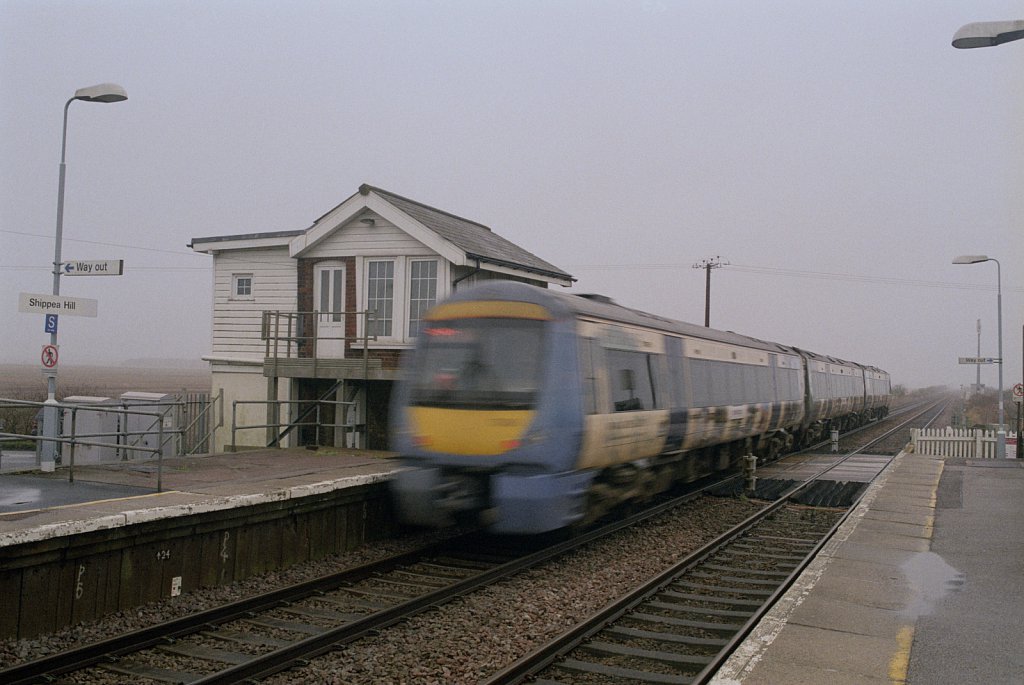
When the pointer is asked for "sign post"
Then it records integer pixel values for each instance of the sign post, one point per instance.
(1018, 397)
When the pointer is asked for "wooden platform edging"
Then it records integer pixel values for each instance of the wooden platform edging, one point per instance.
(50, 584)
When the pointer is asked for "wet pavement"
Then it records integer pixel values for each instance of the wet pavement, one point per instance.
(924, 583)
(25, 492)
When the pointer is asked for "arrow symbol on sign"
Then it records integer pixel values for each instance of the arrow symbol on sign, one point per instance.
(68, 268)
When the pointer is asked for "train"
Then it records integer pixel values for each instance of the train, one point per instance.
(525, 410)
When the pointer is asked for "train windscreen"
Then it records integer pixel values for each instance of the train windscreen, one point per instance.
(479, 363)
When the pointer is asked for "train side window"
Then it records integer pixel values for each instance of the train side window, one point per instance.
(588, 372)
(632, 385)
(674, 359)
(700, 380)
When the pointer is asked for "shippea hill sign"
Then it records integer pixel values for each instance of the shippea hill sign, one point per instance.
(31, 303)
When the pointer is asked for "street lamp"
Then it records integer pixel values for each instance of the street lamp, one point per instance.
(986, 34)
(104, 92)
(977, 259)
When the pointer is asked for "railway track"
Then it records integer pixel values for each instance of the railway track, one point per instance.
(269, 633)
(266, 634)
(681, 625)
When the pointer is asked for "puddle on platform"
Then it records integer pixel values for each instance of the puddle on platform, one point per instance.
(930, 579)
(12, 497)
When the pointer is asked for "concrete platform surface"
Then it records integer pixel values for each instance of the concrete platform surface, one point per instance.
(40, 506)
(923, 584)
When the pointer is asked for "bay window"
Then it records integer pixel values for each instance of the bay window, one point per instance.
(399, 290)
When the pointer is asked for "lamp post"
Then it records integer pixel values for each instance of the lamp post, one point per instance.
(987, 34)
(977, 259)
(104, 92)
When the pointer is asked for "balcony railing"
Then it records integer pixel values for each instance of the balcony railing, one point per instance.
(300, 335)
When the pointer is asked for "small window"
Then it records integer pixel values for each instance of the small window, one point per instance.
(241, 286)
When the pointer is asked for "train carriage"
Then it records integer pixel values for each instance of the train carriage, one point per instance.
(531, 410)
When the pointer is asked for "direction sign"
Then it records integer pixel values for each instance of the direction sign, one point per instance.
(31, 303)
(103, 267)
(979, 360)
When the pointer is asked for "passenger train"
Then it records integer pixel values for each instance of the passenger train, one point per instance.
(528, 410)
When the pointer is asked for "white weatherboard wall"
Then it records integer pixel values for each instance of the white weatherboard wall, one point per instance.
(243, 382)
(359, 239)
(237, 321)
(238, 351)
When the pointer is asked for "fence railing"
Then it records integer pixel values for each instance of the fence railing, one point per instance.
(298, 335)
(342, 411)
(965, 443)
(122, 430)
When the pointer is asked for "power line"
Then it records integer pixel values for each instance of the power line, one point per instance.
(797, 273)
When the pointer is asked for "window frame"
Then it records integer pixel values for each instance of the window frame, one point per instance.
(236, 279)
(401, 293)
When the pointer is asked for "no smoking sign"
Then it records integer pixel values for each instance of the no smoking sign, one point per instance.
(49, 356)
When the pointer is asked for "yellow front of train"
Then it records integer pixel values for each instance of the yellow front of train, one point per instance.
(487, 415)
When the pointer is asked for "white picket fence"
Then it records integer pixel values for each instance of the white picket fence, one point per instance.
(968, 443)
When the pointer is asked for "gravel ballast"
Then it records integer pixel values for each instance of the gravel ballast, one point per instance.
(463, 641)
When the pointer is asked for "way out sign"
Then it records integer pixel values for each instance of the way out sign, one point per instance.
(103, 267)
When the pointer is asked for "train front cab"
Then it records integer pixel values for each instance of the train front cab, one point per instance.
(488, 418)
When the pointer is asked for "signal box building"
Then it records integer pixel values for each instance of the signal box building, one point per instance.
(309, 326)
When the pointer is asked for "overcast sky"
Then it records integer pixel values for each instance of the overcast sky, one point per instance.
(837, 155)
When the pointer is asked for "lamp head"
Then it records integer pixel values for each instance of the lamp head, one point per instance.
(985, 34)
(970, 259)
(104, 92)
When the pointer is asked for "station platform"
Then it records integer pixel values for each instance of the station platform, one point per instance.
(40, 506)
(924, 583)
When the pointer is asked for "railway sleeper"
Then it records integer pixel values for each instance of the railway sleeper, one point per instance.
(613, 649)
(574, 666)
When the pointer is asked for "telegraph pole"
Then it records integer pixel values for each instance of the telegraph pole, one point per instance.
(709, 264)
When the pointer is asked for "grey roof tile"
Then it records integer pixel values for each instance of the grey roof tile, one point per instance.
(477, 240)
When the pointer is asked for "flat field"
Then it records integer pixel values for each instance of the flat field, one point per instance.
(26, 382)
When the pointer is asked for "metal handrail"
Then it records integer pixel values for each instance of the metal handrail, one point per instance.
(235, 427)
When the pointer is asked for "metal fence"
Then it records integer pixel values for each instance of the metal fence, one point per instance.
(341, 409)
(965, 443)
(119, 430)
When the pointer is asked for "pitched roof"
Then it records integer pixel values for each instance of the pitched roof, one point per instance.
(464, 237)
(475, 239)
